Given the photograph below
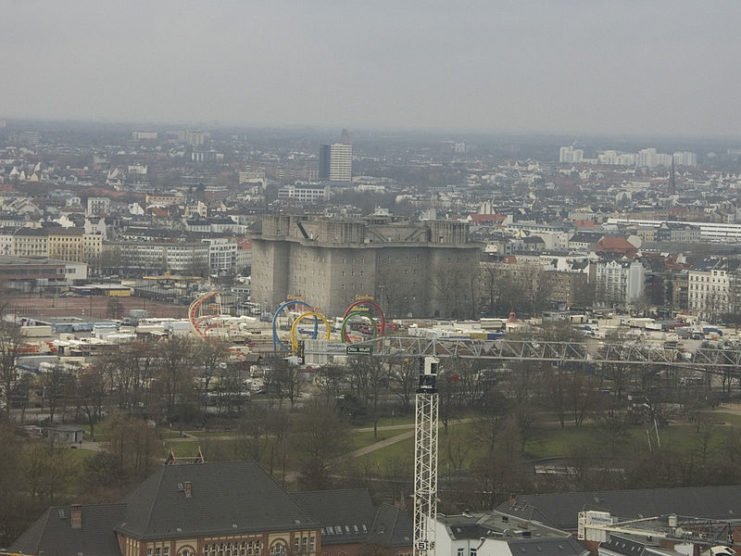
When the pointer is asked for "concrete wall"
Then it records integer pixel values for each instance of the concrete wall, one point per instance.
(398, 265)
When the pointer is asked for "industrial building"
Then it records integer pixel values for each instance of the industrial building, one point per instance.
(411, 269)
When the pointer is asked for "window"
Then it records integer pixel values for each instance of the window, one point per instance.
(460, 552)
(472, 552)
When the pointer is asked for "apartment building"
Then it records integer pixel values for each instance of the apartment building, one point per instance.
(711, 288)
(619, 282)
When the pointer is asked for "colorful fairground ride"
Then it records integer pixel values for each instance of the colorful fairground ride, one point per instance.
(209, 322)
(362, 320)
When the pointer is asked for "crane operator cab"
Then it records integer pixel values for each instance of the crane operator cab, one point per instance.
(428, 367)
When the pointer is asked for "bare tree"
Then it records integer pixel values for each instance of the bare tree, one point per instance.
(91, 392)
(55, 384)
(210, 361)
(11, 347)
(332, 381)
(319, 436)
(284, 379)
(133, 443)
(13, 492)
(175, 373)
(404, 377)
(369, 378)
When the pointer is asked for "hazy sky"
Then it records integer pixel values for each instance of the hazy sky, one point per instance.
(617, 66)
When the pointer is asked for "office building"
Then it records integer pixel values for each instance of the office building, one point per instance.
(335, 162)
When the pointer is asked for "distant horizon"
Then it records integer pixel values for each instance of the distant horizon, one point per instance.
(570, 136)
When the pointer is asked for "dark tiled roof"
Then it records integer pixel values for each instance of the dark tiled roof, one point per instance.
(391, 528)
(632, 547)
(346, 516)
(561, 510)
(226, 498)
(52, 533)
(586, 237)
(469, 531)
(567, 546)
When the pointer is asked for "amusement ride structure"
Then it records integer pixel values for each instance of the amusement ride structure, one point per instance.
(358, 324)
(199, 322)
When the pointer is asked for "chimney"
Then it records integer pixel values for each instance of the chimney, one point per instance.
(75, 516)
(188, 489)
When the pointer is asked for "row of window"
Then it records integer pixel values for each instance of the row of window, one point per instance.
(244, 548)
(337, 529)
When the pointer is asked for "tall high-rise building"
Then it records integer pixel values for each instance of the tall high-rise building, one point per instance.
(335, 162)
(570, 155)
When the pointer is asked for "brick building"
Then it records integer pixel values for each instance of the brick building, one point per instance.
(225, 509)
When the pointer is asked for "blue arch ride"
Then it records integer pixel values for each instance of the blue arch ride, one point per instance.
(276, 341)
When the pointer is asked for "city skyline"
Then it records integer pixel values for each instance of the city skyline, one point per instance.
(568, 67)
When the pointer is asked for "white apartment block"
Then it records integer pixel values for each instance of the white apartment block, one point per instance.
(570, 155)
(335, 162)
(144, 135)
(97, 206)
(648, 158)
(222, 255)
(340, 162)
(712, 231)
(304, 194)
(685, 159)
(158, 256)
(619, 282)
(710, 290)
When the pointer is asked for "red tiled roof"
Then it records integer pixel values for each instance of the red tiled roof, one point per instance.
(490, 219)
(614, 245)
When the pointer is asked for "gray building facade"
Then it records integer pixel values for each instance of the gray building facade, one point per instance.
(420, 269)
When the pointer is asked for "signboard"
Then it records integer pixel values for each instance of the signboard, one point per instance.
(362, 350)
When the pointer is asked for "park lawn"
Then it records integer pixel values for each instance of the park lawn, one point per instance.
(391, 421)
(187, 448)
(720, 416)
(403, 451)
(103, 431)
(557, 442)
(207, 433)
(76, 459)
(378, 461)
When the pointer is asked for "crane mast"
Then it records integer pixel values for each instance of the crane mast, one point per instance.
(425, 457)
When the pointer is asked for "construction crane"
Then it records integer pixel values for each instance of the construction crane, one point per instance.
(597, 526)
(429, 352)
(425, 457)
(593, 352)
